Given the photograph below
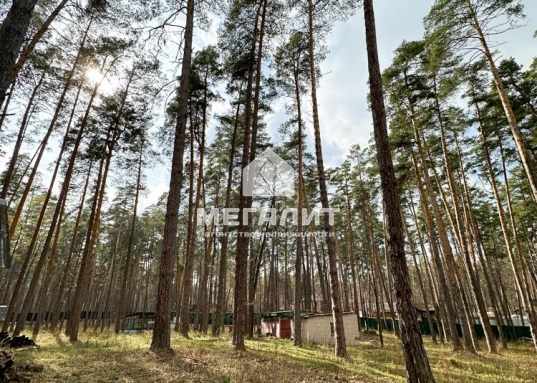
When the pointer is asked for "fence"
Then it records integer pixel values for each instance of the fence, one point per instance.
(510, 333)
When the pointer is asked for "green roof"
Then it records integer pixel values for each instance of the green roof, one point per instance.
(283, 314)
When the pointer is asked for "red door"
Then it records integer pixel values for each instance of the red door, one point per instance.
(285, 328)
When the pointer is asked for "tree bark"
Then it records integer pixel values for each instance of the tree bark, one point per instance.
(88, 255)
(161, 331)
(186, 290)
(253, 149)
(27, 51)
(22, 132)
(421, 284)
(128, 257)
(417, 363)
(460, 232)
(12, 34)
(67, 268)
(297, 320)
(337, 306)
(55, 118)
(520, 283)
(222, 268)
(243, 240)
(63, 195)
(525, 155)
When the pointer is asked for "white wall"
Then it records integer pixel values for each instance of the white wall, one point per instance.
(316, 329)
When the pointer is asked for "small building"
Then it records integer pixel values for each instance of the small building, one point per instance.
(422, 312)
(3, 313)
(277, 323)
(137, 322)
(319, 328)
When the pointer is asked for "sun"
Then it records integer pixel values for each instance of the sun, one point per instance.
(94, 76)
(107, 84)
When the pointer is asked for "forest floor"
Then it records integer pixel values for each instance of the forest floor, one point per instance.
(125, 358)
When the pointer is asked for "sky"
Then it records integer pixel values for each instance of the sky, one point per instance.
(344, 117)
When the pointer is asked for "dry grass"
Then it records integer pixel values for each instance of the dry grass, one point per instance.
(125, 358)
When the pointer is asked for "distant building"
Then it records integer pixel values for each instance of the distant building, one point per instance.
(137, 322)
(316, 328)
(277, 323)
(319, 328)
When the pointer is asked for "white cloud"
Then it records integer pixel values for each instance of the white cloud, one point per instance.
(158, 182)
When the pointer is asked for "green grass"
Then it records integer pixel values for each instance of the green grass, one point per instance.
(125, 358)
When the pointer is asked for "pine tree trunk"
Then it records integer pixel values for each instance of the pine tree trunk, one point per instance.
(203, 307)
(48, 276)
(180, 275)
(325, 305)
(86, 267)
(22, 133)
(421, 284)
(253, 149)
(389, 291)
(128, 257)
(67, 268)
(27, 51)
(460, 232)
(343, 283)
(55, 118)
(61, 200)
(445, 293)
(4, 110)
(206, 280)
(520, 283)
(337, 307)
(374, 276)
(453, 275)
(88, 255)
(161, 331)
(297, 320)
(526, 264)
(243, 241)
(12, 34)
(109, 283)
(189, 260)
(186, 290)
(24, 172)
(417, 363)
(526, 268)
(525, 155)
(222, 270)
(474, 231)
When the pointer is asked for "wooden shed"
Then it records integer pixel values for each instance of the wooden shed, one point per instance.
(319, 328)
(277, 323)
